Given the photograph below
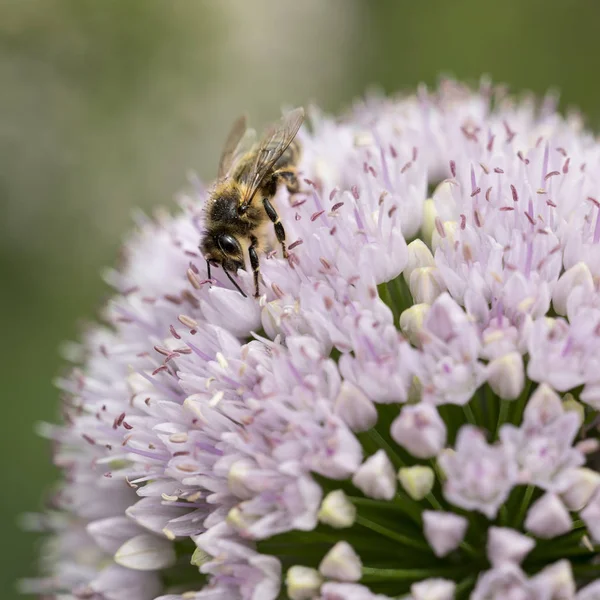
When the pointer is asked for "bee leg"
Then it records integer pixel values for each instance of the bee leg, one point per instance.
(290, 180)
(279, 230)
(208, 270)
(254, 263)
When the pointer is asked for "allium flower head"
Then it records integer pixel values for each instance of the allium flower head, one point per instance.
(409, 410)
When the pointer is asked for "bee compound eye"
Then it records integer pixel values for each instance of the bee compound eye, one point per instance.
(228, 244)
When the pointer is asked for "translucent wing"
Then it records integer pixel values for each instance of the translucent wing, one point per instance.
(272, 146)
(238, 129)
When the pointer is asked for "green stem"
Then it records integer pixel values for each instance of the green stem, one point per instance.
(469, 414)
(524, 505)
(381, 504)
(400, 504)
(503, 415)
(393, 535)
(519, 406)
(470, 550)
(372, 575)
(382, 443)
(434, 501)
(586, 570)
(406, 300)
(464, 586)
(477, 405)
(384, 294)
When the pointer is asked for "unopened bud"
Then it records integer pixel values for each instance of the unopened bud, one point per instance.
(417, 481)
(425, 285)
(506, 376)
(507, 545)
(577, 275)
(443, 232)
(543, 406)
(200, 557)
(569, 403)
(433, 589)
(420, 430)
(146, 552)
(238, 473)
(337, 511)
(415, 391)
(419, 255)
(548, 517)
(302, 583)
(354, 408)
(444, 531)
(590, 592)
(429, 216)
(376, 478)
(411, 322)
(591, 517)
(341, 563)
(557, 579)
(579, 485)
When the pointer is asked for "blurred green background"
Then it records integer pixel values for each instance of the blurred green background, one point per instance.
(106, 104)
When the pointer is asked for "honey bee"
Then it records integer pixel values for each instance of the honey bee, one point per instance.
(240, 205)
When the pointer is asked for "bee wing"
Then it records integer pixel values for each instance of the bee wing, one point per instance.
(238, 129)
(271, 147)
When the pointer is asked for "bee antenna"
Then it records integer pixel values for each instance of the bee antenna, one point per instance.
(208, 269)
(238, 288)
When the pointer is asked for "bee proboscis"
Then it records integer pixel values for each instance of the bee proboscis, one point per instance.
(240, 206)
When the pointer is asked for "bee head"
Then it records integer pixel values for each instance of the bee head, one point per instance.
(223, 249)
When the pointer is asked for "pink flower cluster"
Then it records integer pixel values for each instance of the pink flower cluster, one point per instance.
(408, 409)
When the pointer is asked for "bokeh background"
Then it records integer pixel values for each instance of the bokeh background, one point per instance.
(105, 105)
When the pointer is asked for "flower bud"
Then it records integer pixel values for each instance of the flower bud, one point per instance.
(146, 552)
(420, 430)
(417, 481)
(548, 517)
(337, 511)
(569, 403)
(376, 478)
(577, 275)
(238, 472)
(341, 563)
(425, 285)
(415, 391)
(354, 408)
(433, 589)
(506, 376)
(334, 590)
(557, 579)
(112, 532)
(591, 517)
(302, 583)
(411, 322)
(588, 446)
(590, 592)
(591, 395)
(236, 519)
(200, 557)
(579, 485)
(429, 215)
(444, 531)
(443, 231)
(507, 545)
(543, 406)
(271, 318)
(499, 341)
(419, 255)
